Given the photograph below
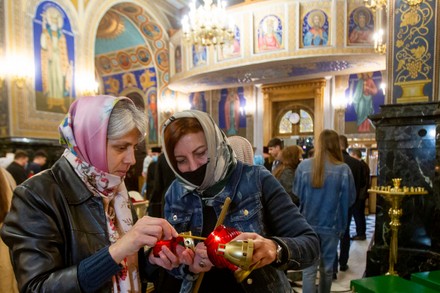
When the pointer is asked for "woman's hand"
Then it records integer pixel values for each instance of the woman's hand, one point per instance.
(265, 250)
(196, 260)
(166, 259)
(146, 231)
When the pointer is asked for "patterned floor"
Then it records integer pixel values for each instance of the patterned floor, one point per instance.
(356, 261)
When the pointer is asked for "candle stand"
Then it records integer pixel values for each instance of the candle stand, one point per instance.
(394, 195)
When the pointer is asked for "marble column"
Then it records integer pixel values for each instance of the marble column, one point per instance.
(408, 141)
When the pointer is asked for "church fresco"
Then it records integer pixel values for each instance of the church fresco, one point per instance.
(269, 34)
(197, 101)
(315, 28)
(360, 27)
(364, 95)
(231, 117)
(231, 49)
(54, 47)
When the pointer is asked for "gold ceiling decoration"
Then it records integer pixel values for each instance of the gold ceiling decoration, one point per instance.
(413, 2)
(111, 26)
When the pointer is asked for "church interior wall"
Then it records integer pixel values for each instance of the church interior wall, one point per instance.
(155, 65)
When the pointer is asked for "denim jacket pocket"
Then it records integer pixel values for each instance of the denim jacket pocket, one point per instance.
(247, 214)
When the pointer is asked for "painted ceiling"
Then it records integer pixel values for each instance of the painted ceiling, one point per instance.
(117, 32)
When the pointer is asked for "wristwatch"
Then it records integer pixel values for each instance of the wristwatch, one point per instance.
(279, 253)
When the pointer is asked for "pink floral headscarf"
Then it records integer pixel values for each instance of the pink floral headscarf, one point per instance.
(84, 133)
(84, 129)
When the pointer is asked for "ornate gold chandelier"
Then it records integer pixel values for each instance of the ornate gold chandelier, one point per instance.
(379, 37)
(374, 4)
(207, 25)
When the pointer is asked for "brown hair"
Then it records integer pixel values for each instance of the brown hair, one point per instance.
(275, 142)
(290, 158)
(357, 153)
(19, 154)
(40, 153)
(327, 149)
(343, 142)
(174, 132)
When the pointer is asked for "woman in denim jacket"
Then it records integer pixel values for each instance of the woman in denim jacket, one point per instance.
(207, 173)
(325, 187)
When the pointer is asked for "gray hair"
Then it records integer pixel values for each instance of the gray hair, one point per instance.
(125, 117)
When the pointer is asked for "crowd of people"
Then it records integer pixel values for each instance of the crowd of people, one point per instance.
(72, 228)
(21, 168)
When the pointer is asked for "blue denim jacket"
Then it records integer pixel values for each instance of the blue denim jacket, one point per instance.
(259, 204)
(326, 208)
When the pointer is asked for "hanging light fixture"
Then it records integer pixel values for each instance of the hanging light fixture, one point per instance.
(379, 45)
(207, 25)
(379, 36)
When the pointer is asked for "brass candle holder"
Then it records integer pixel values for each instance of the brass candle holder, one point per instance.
(394, 195)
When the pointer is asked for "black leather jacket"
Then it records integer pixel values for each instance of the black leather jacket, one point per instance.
(54, 223)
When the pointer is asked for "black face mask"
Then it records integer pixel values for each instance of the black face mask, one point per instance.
(196, 177)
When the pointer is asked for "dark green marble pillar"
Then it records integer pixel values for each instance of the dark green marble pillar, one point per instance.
(408, 141)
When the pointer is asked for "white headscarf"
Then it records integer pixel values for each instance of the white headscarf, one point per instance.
(242, 149)
(220, 154)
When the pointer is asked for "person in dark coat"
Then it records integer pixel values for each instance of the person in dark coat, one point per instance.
(163, 176)
(39, 160)
(359, 205)
(359, 181)
(151, 171)
(18, 167)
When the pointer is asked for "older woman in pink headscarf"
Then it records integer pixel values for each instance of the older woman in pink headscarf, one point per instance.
(72, 228)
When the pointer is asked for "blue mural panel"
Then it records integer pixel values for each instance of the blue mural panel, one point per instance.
(198, 101)
(365, 96)
(152, 117)
(54, 53)
(199, 55)
(231, 116)
(414, 52)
